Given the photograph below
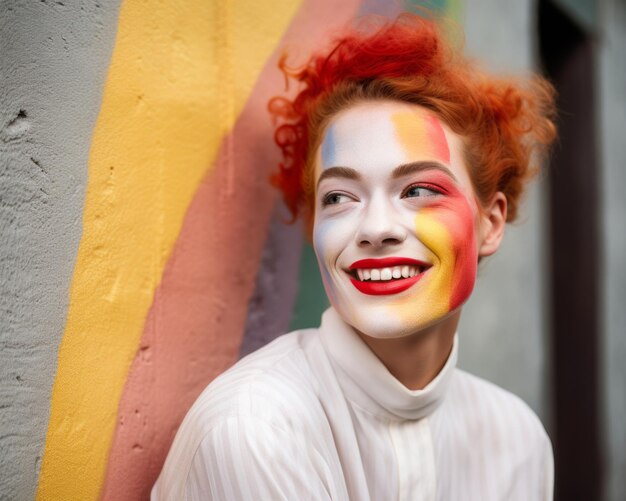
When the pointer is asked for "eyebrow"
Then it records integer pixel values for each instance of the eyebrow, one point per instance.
(398, 172)
(413, 167)
(342, 172)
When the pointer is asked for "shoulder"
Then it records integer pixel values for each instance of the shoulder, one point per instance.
(497, 416)
(273, 384)
(483, 400)
(482, 390)
(266, 405)
(486, 421)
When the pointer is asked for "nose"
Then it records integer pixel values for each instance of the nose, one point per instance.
(380, 225)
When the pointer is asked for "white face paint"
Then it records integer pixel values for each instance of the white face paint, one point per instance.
(395, 225)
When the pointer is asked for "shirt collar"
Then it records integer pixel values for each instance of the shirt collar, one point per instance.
(368, 383)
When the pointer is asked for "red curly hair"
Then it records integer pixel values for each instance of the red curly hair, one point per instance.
(506, 123)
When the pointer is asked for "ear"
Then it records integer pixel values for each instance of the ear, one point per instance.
(493, 221)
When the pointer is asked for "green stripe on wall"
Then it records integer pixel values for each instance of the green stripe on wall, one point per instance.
(311, 301)
(451, 9)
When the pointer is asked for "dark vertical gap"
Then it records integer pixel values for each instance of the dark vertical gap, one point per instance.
(568, 59)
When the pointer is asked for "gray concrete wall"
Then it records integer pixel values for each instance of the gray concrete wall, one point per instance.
(503, 333)
(53, 60)
(611, 87)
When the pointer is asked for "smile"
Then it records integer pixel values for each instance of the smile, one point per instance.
(390, 275)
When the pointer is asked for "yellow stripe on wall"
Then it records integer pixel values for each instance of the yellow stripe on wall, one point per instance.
(180, 74)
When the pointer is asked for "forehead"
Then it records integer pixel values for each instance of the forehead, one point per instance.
(375, 136)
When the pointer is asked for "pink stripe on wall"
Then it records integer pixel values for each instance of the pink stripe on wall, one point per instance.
(194, 328)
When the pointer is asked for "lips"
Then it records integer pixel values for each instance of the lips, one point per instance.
(366, 274)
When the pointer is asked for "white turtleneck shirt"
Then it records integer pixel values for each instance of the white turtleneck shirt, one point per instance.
(315, 415)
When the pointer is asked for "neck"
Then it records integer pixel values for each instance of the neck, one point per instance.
(416, 359)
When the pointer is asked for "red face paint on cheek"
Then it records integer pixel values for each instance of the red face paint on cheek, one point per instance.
(460, 223)
(455, 213)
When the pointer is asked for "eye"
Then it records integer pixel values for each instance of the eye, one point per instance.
(418, 190)
(335, 198)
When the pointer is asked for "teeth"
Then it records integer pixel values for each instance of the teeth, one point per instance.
(396, 272)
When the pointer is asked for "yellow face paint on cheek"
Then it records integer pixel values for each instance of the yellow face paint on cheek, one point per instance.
(438, 239)
(430, 297)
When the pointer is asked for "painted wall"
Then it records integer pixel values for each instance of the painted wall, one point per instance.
(141, 252)
(53, 63)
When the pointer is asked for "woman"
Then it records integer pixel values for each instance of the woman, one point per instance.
(406, 161)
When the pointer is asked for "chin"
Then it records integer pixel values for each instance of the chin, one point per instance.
(377, 322)
(381, 323)
(382, 331)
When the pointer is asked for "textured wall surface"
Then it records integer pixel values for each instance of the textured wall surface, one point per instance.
(53, 61)
(612, 120)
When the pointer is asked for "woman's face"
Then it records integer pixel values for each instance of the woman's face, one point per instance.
(397, 228)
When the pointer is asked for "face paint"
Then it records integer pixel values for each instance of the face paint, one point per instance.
(415, 227)
(447, 230)
(421, 134)
(328, 147)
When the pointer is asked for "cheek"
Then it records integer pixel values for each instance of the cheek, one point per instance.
(332, 234)
(328, 242)
(449, 233)
(325, 241)
(319, 246)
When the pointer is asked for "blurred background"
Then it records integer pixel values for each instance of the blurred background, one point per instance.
(142, 252)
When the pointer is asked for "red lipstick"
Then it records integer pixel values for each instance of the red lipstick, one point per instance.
(384, 287)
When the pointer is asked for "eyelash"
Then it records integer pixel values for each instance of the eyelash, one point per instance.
(326, 200)
(420, 186)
